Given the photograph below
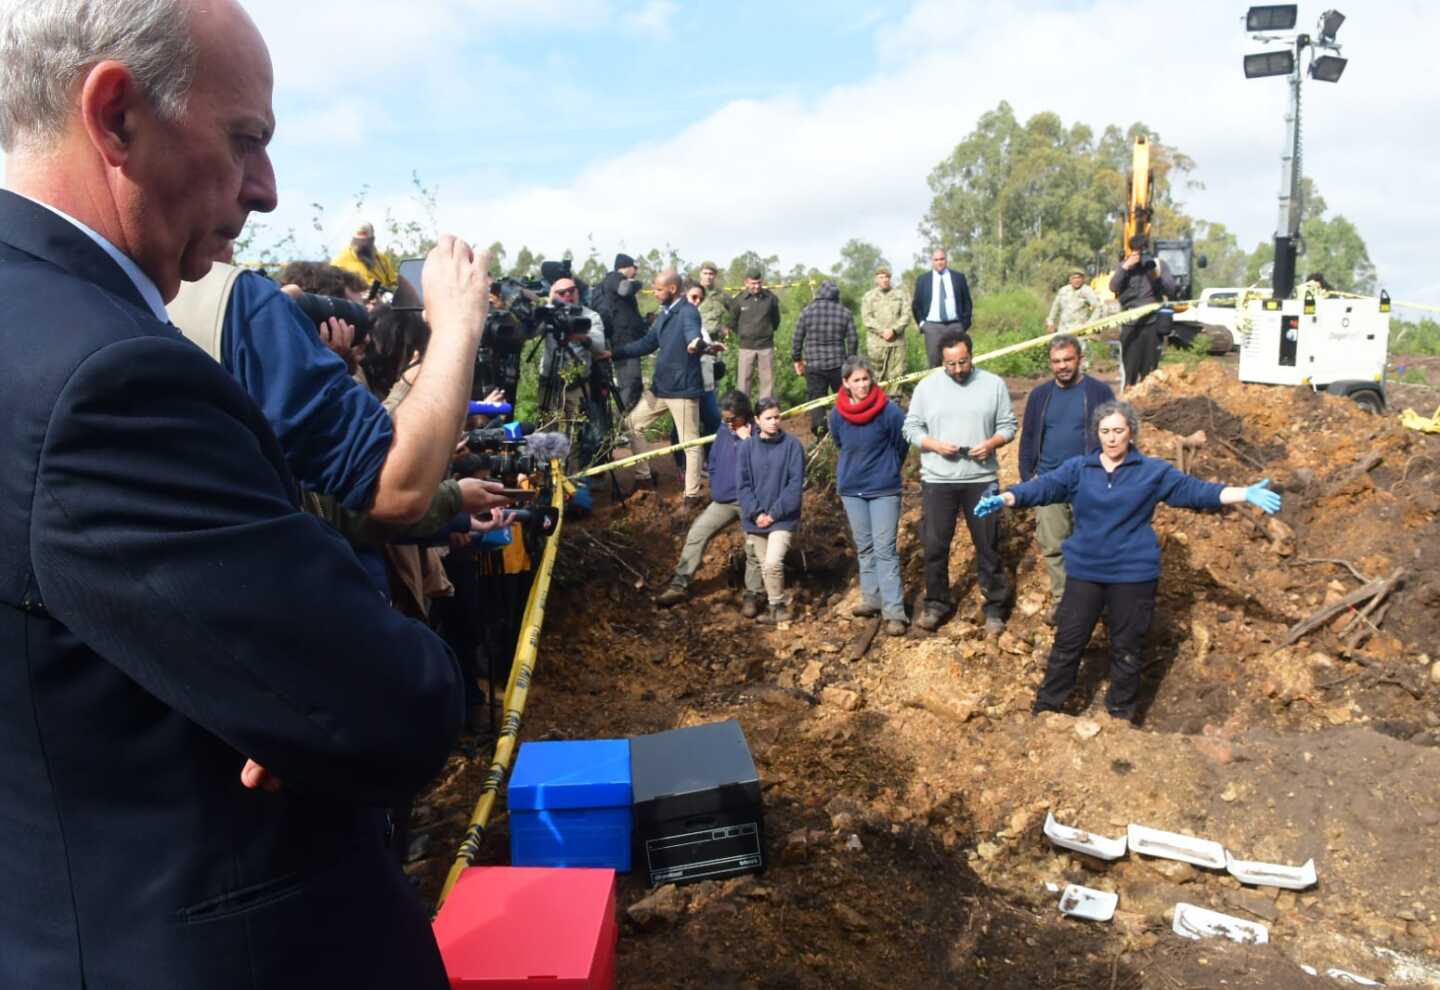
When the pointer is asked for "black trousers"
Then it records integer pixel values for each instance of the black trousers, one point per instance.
(818, 382)
(1139, 350)
(940, 505)
(932, 333)
(1129, 609)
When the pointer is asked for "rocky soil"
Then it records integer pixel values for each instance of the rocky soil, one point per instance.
(905, 792)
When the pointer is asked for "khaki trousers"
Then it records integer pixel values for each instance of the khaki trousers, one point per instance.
(770, 549)
(764, 363)
(686, 414)
(1053, 525)
(888, 359)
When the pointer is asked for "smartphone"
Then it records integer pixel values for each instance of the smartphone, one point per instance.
(518, 492)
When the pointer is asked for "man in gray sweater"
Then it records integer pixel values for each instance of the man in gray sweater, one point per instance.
(959, 416)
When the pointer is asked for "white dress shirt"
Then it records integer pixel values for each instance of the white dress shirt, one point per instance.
(940, 287)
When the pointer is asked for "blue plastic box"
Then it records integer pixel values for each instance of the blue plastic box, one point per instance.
(570, 804)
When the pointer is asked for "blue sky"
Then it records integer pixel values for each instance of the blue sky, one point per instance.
(789, 128)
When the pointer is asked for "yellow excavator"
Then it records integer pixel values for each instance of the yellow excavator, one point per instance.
(1177, 255)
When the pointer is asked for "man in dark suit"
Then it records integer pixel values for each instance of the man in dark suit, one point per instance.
(677, 384)
(203, 704)
(941, 301)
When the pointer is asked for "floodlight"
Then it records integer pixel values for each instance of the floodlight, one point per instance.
(1272, 17)
(1327, 68)
(1330, 22)
(1263, 64)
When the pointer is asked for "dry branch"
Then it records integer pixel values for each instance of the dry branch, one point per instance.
(1375, 589)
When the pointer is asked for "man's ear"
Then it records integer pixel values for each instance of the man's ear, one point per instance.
(110, 103)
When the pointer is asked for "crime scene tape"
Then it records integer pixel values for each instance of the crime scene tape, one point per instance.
(1393, 302)
(522, 671)
(1090, 328)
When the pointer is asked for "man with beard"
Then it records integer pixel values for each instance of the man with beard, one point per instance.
(1055, 429)
(364, 260)
(959, 417)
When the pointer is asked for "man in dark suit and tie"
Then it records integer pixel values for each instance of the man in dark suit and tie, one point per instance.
(941, 301)
(203, 703)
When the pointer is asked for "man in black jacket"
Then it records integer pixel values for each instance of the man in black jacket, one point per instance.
(618, 303)
(1138, 282)
(941, 301)
(203, 703)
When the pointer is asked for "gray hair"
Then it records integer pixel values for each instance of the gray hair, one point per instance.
(1110, 409)
(854, 363)
(1063, 340)
(47, 45)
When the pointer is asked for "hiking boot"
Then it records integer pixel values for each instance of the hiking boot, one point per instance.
(776, 615)
(750, 605)
(673, 595)
(994, 625)
(865, 611)
(693, 504)
(896, 627)
(930, 619)
(647, 484)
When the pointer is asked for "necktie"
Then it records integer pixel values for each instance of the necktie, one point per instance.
(944, 310)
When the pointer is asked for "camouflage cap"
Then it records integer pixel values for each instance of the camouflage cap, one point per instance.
(883, 270)
(1078, 271)
(709, 266)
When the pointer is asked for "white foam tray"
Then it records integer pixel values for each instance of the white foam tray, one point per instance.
(1082, 841)
(1197, 923)
(1092, 905)
(1173, 845)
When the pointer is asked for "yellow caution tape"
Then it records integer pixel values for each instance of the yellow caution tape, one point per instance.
(522, 671)
(1412, 420)
(825, 400)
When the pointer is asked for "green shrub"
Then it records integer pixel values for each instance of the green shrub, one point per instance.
(1407, 337)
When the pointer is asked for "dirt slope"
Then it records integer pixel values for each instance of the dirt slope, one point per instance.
(905, 792)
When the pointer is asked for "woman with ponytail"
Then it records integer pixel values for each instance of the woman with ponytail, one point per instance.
(866, 427)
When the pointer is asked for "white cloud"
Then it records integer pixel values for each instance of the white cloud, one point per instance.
(653, 17)
(798, 178)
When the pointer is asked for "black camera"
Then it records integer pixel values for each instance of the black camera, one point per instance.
(318, 309)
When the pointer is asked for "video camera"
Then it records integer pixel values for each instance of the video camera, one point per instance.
(318, 309)
(520, 312)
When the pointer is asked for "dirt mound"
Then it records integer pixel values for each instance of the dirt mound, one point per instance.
(905, 792)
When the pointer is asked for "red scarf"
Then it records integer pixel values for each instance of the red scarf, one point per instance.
(863, 411)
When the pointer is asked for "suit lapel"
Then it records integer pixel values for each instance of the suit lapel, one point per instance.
(36, 231)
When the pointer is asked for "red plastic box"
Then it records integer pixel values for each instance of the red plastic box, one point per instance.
(530, 928)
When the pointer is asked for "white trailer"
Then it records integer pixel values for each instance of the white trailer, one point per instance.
(1338, 345)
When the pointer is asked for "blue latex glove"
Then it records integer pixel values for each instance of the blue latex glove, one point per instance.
(994, 503)
(1260, 495)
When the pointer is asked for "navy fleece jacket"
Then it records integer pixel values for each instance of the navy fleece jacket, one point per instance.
(1093, 393)
(772, 480)
(870, 455)
(1113, 542)
(723, 478)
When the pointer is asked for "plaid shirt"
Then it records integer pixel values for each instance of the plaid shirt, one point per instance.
(825, 333)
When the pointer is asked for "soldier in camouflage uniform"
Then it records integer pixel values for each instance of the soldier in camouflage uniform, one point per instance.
(1075, 305)
(885, 314)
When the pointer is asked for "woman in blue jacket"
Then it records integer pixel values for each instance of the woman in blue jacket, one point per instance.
(866, 427)
(1113, 558)
(771, 485)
